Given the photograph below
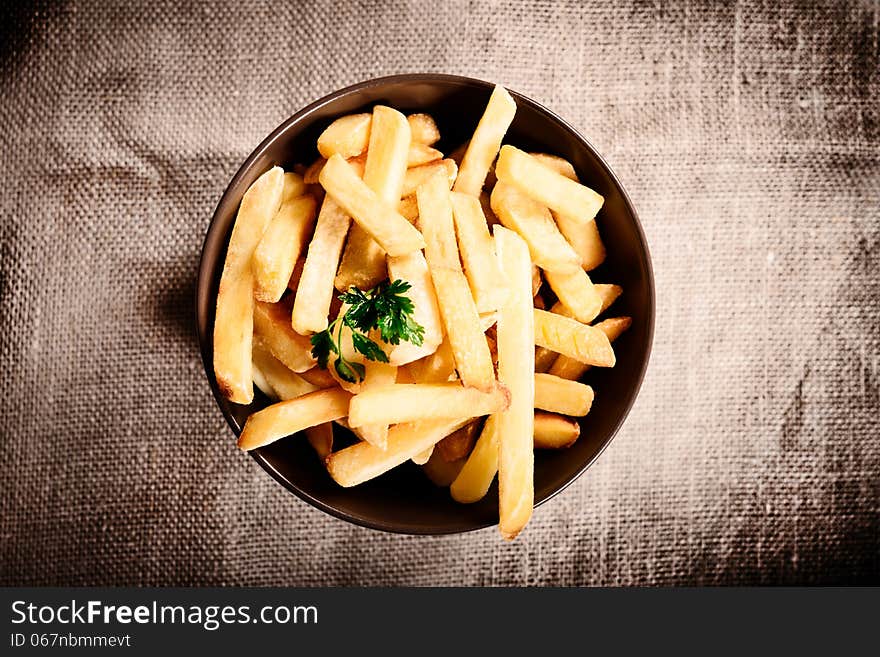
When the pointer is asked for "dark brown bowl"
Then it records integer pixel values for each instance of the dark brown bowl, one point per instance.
(404, 500)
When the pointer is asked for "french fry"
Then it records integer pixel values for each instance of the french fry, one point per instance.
(310, 177)
(377, 376)
(569, 337)
(546, 186)
(516, 367)
(361, 462)
(393, 233)
(413, 268)
(424, 456)
(424, 129)
(347, 136)
(404, 376)
(458, 444)
(418, 176)
(233, 320)
(544, 359)
(281, 245)
(485, 142)
(457, 308)
(320, 437)
(488, 320)
(294, 186)
(559, 395)
(475, 478)
(569, 368)
(296, 275)
(554, 431)
(537, 281)
(486, 204)
(272, 325)
(608, 294)
(440, 471)
(311, 306)
(478, 253)
(397, 403)
(535, 225)
(284, 383)
(437, 367)
(287, 417)
(363, 262)
(262, 383)
(577, 293)
(559, 164)
(409, 208)
(318, 377)
(420, 154)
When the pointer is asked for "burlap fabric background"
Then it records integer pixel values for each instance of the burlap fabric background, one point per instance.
(747, 135)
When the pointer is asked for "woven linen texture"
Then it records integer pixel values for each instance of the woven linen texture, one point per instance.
(748, 137)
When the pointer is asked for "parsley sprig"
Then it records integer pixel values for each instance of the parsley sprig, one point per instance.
(384, 308)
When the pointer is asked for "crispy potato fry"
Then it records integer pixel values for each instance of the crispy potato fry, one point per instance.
(478, 253)
(488, 320)
(544, 359)
(577, 293)
(397, 403)
(559, 164)
(262, 383)
(485, 142)
(320, 437)
(287, 417)
(404, 376)
(475, 478)
(272, 325)
(440, 471)
(294, 186)
(377, 376)
(318, 377)
(347, 136)
(546, 186)
(569, 368)
(516, 367)
(437, 367)
(361, 462)
(608, 294)
(554, 431)
(315, 292)
(537, 281)
(458, 444)
(363, 262)
(418, 176)
(420, 154)
(457, 308)
(413, 268)
(424, 456)
(559, 395)
(533, 222)
(393, 233)
(233, 320)
(409, 208)
(284, 383)
(424, 129)
(310, 177)
(281, 245)
(296, 275)
(567, 336)
(486, 205)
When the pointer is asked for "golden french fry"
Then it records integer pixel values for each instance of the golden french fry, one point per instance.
(361, 462)
(577, 293)
(393, 233)
(559, 164)
(424, 129)
(404, 376)
(296, 275)
(233, 320)
(437, 367)
(488, 320)
(420, 154)
(347, 136)
(533, 222)
(294, 186)
(559, 395)
(486, 204)
(377, 375)
(546, 186)
(315, 292)
(554, 431)
(281, 245)
(287, 417)
(262, 383)
(475, 478)
(310, 177)
(457, 307)
(272, 325)
(536, 280)
(608, 294)
(363, 262)
(478, 253)
(284, 383)
(409, 208)
(485, 142)
(418, 176)
(569, 368)
(569, 337)
(544, 359)
(397, 403)
(440, 471)
(413, 268)
(459, 444)
(318, 377)
(320, 437)
(516, 370)
(423, 457)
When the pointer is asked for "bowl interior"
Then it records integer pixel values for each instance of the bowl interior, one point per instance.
(404, 500)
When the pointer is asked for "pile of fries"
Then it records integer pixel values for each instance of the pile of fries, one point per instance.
(475, 361)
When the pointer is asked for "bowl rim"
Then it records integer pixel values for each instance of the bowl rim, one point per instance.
(205, 278)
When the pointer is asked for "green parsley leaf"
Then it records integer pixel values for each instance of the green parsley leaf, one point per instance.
(348, 371)
(322, 346)
(367, 347)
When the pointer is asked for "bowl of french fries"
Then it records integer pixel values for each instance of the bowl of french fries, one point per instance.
(425, 305)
